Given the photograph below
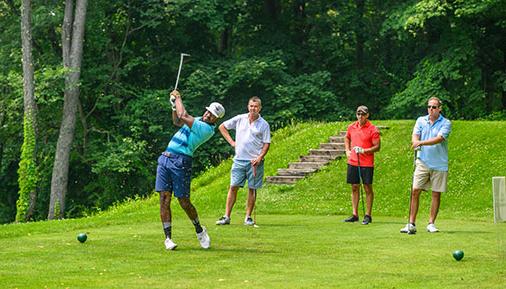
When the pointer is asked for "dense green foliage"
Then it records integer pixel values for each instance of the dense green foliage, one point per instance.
(28, 175)
(306, 59)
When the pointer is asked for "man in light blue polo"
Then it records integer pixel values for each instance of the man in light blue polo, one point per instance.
(173, 174)
(430, 139)
(252, 141)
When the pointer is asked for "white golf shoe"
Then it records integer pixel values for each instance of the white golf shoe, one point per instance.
(409, 228)
(169, 244)
(432, 229)
(248, 221)
(223, 221)
(203, 237)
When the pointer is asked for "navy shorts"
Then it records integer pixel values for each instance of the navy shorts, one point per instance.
(352, 176)
(173, 174)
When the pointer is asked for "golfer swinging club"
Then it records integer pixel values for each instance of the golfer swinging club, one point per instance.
(364, 139)
(252, 141)
(430, 134)
(173, 174)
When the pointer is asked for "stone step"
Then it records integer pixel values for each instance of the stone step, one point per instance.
(287, 180)
(305, 165)
(316, 159)
(332, 146)
(295, 172)
(336, 139)
(327, 152)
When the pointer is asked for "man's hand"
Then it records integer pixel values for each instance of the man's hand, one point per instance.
(173, 102)
(348, 154)
(358, 150)
(254, 164)
(173, 95)
(416, 145)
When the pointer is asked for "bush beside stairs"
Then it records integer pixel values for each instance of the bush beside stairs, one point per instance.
(313, 162)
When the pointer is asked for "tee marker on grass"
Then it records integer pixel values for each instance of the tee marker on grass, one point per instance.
(499, 192)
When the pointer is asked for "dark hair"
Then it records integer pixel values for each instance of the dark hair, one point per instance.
(255, 99)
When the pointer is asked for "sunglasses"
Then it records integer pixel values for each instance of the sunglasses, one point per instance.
(432, 106)
(361, 113)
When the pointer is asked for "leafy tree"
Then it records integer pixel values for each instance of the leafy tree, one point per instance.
(72, 46)
(28, 166)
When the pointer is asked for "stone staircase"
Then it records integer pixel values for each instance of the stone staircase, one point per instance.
(314, 161)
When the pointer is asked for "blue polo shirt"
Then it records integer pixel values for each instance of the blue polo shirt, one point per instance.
(187, 140)
(434, 156)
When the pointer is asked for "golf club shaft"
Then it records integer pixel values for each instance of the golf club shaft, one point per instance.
(179, 71)
(412, 182)
(254, 168)
(360, 183)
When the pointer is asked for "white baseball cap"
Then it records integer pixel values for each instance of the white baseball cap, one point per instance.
(216, 109)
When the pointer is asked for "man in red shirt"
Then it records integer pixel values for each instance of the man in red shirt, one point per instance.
(361, 142)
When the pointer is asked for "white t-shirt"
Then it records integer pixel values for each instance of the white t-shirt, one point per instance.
(249, 138)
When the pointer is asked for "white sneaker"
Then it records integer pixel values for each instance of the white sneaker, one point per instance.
(223, 221)
(432, 229)
(249, 221)
(169, 245)
(409, 228)
(203, 237)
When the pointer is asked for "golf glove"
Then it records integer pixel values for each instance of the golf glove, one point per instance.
(358, 150)
(173, 102)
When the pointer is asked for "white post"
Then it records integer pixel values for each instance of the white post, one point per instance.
(499, 192)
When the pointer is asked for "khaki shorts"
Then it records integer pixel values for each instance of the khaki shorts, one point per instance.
(425, 178)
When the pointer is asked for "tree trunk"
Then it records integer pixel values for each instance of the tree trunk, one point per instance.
(224, 41)
(29, 104)
(72, 44)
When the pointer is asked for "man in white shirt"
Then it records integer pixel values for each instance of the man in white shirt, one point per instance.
(252, 141)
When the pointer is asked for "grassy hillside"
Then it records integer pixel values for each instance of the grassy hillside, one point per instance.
(476, 155)
(301, 242)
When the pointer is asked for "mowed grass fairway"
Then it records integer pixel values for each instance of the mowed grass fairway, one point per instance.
(286, 251)
(301, 242)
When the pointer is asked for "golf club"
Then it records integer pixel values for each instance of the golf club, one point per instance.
(254, 208)
(360, 184)
(411, 188)
(179, 70)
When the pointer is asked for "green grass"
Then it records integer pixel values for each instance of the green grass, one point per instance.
(301, 242)
(286, 251)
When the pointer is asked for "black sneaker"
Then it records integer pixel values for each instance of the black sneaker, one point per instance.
(367, 220)
(351, 219)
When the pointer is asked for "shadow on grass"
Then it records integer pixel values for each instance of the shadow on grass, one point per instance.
(240, 250)
(463, 232)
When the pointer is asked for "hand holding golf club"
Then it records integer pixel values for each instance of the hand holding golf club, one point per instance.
(173, 102)
(416, 145)
(358, 150)
(254, 165)
(173, 95)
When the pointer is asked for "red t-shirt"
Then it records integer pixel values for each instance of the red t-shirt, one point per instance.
(362, 137)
